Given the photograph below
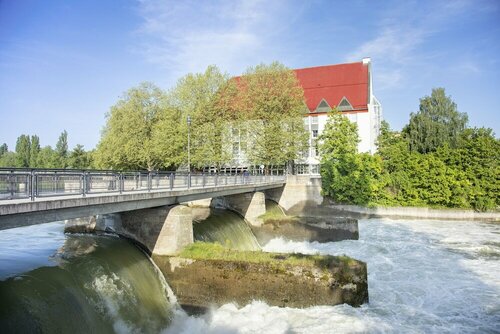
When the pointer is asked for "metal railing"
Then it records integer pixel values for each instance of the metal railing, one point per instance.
(18, 183)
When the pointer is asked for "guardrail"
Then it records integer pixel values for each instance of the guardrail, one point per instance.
(25, 183)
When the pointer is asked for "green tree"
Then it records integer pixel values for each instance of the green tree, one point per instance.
(127, 139)
(3, 149)
(436, 123)
(78, 158)
(205, 98)
(23, 148)
(34, 150)
(48, 158)
(271, 106)
(8, 159)
(62, 150)
(347, 177)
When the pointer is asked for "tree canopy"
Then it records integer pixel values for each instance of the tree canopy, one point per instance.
(437, 123)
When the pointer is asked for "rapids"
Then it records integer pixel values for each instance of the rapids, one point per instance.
(424, 277)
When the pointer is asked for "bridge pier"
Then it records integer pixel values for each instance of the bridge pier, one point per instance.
(249, 205)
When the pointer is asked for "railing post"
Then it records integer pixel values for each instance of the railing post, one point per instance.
(216, 178)
(32, 189)
(189, 180)
(203, 180)
(84, 183)
(171, 179)
(120, 183)
(149, 181)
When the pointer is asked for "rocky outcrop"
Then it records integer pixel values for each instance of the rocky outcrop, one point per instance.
(279, 282)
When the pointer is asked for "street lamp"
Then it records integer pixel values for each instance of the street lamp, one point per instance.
(189, 149)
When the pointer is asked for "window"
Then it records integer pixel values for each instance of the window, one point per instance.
(314, 120)
(344, 104)
(236, 149)
(314, 169)
(315, 133)
(322, 106)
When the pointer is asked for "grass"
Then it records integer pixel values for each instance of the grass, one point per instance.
(274, 217)
(214, 251)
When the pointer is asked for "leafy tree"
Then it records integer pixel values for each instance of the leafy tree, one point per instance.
(48, 158)
(78, 158)
(436, 123)
(62, 150)
(127, 139)
(271, 103)
(23, 148)
(34, 150)
(8, 159)
(206, 99)
(347, 177)
(3, 149)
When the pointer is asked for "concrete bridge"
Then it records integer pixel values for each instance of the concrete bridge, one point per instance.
(141, 206)
(40, 197)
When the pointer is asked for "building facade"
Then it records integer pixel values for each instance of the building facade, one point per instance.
(349, 88)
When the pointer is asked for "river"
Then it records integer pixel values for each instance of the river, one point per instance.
(424, 277)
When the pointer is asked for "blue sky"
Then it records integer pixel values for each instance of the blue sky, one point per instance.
(64, 63)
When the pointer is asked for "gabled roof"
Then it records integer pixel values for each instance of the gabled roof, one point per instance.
(333, 82)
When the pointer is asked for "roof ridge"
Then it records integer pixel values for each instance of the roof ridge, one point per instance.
(353, 84)
(332, 65)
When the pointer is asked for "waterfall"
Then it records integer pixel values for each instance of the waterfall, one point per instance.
(224, 227)
(87, 284)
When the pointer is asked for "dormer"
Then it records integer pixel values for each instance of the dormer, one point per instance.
(344, 105)
(323, 106)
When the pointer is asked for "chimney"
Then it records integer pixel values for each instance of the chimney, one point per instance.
(367, 60)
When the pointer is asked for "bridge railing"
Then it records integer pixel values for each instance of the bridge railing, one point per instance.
(25, 183)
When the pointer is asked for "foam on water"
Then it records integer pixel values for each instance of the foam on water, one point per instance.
(424, 277)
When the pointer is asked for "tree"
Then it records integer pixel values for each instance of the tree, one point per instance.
(436, 123)
(34, 150)
(347, 177)
(127, 139)
(78, 158)
(48, 158)
(8, 159)
(271, 103)
(23, 148)
(62, 150)
(205, 98)
(3, 149)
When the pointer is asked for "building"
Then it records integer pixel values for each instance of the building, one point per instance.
(348, 87)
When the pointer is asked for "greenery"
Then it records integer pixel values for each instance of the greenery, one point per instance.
(29, 154)
(214, 251)
(147, 128)
(271, 103)
(452, 166)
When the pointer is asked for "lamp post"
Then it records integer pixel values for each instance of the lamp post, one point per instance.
(189, 150)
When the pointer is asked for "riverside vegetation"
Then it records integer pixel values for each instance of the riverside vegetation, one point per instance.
(435, 161)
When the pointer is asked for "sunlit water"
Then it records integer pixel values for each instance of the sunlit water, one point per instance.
(56, 283)
(424, 277)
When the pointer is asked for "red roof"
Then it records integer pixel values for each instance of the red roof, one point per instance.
(333, 82)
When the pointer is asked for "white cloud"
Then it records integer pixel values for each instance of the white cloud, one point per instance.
(188, 36)
(401, 34)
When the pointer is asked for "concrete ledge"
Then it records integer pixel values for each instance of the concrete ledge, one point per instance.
(320, 229)
(409, 212)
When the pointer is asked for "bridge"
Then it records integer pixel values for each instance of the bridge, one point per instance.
(30, 197)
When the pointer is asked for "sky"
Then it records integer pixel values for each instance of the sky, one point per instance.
(63, 64)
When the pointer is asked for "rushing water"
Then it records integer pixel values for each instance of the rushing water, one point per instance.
(424, 277)
(56, 283)
(224, 227)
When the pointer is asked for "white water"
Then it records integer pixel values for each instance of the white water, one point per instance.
(424, 277)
